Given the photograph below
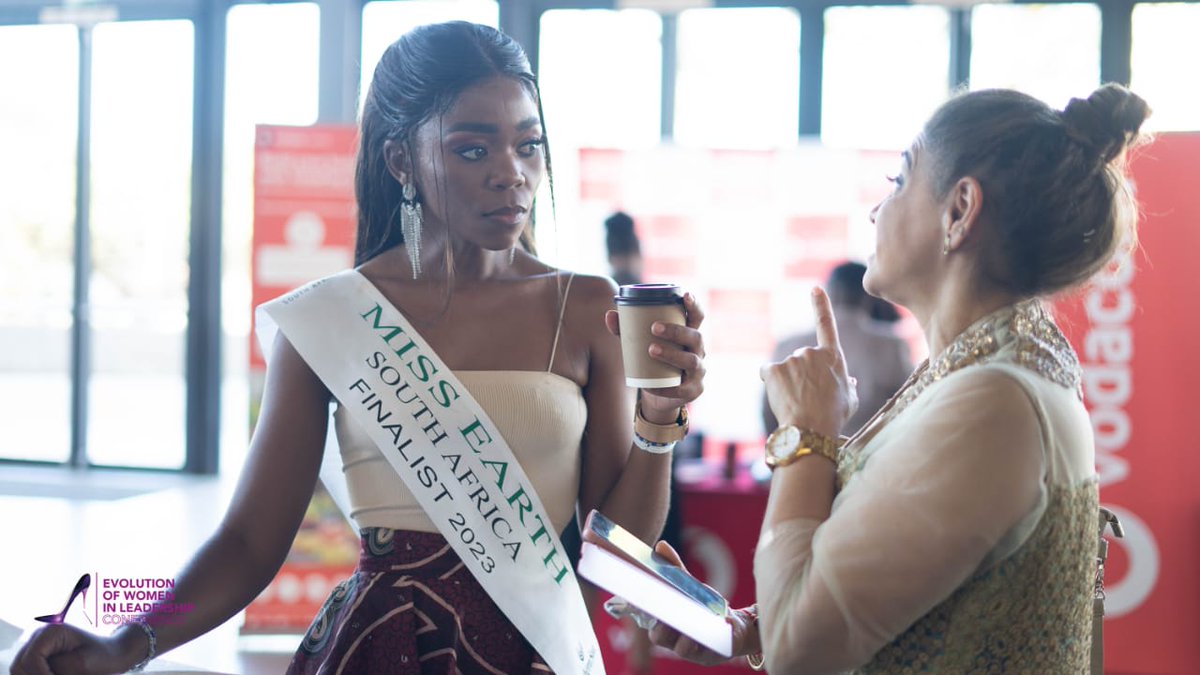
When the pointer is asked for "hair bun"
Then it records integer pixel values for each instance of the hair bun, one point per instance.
(1107, 121)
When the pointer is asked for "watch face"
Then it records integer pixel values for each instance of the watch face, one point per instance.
(783, 442)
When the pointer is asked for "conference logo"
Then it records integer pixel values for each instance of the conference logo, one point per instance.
(119, 600)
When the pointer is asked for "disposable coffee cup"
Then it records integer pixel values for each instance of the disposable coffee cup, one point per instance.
(639, 306)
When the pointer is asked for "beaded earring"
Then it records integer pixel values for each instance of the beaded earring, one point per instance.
(411, 220)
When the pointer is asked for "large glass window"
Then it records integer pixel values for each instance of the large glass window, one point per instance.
(601, 77)
(38, 134)
(1164, 59)
(1048, 51)
(141, 204)
(600, 73)
(738, 78)
(383, 21)
(885, 70)
(271, 77)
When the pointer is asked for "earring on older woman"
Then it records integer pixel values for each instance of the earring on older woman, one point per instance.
(411, 219)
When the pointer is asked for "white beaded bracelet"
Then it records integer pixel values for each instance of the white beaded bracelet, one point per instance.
(652, 447)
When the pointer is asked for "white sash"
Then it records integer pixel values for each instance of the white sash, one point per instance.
(445, 449)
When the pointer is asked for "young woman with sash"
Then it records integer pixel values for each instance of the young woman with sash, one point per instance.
(956, 531)
(478, 401)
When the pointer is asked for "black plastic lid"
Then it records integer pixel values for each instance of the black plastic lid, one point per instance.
(649, 294)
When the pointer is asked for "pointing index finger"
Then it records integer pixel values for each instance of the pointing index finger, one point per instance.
(827, 334)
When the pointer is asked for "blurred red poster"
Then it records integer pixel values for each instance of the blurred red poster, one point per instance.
(814, 245)
(304, 223)
(741, 177)
(670, 244)
(1135, 329)
(304, 217)
(293, 598)
(600, 172)
(739, 321)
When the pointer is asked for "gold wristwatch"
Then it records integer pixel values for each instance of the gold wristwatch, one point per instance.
(789, 443)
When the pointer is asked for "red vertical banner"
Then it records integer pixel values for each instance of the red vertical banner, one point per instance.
(600, 171)
(303, 209)
(671, 245)
(304, 222)
(1134, 329)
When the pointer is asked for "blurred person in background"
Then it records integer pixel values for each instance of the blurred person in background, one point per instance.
(624, 249)
(878, 358)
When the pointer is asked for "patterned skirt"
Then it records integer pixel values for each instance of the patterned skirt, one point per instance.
(412, 607)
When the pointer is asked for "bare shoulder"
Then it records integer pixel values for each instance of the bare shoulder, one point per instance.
(590, 297)
(592, 289)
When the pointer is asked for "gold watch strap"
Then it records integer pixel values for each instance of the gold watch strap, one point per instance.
(811, 443)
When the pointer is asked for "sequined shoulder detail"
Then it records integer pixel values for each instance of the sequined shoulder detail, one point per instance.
(1024, 334)
(1042, 347)
(1027, 329)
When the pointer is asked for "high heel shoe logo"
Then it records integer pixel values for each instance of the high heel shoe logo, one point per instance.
(118, 600)
(81, 586)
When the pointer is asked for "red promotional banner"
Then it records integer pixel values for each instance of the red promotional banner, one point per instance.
(303, 209)
(304, 222)
(1133, 329)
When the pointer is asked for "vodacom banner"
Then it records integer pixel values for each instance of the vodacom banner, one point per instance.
(1136, 329)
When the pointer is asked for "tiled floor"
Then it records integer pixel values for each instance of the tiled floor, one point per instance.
(56, 524)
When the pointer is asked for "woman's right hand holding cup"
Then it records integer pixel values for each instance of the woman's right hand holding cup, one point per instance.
(663, 351)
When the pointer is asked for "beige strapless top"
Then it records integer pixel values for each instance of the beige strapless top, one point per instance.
(540, 414)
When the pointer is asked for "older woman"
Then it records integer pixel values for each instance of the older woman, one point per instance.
(956, 532)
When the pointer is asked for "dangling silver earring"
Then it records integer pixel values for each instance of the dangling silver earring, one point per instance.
(512, 255)
(946, 245)
(411, 220)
